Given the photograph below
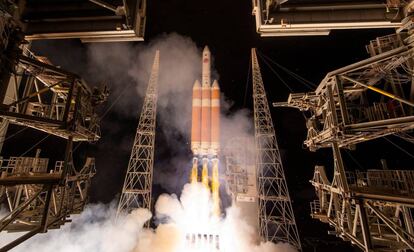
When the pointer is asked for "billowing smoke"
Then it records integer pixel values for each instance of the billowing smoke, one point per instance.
(126, 69)
(180, 66)
(190, 215)
(96, 229)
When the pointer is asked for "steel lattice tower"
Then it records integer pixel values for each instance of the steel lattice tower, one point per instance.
(276, 219)
(136, 192)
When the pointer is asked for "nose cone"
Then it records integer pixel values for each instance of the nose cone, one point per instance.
(206, 54)
(197, 85)
(215, 85)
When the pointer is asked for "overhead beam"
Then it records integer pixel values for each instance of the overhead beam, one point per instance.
(292, 19)
(90, 21)
(104, 5)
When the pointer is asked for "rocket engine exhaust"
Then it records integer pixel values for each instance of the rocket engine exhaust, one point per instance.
(205, 131)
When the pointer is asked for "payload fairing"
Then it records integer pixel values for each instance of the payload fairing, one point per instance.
(205, 129)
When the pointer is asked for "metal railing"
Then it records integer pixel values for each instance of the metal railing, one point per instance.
(383, 44)
(315, 207)
(19, 165)
(390, 181)
(59, 166)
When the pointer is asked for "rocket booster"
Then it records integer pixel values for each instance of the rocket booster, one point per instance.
(196, 118)
(205, 130)
(215, 119)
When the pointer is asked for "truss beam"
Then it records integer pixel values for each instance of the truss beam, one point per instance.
(136, 192)
(39, 199)
(276, 218)
(288, 18)
(363, 101)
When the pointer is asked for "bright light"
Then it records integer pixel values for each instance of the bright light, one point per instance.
(197, 229)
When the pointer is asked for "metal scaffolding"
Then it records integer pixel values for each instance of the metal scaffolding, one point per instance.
(36, 94)
(52, 100)
(93, 20)
(276, 18)
(360, 102)
(276, 219)
(136, 192)
(38, 199)
(241, 180)
(240, 171)
(363, 101)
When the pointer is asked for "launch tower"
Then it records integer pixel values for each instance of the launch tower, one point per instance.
(136, 192)
(276, 219)
(367, 100)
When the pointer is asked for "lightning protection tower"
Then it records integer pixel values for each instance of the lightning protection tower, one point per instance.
(276, 219)
(136, 192)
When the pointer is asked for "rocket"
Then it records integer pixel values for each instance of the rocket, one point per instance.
(205, 130)
(205, 126)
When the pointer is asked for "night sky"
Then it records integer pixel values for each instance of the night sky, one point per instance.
(228, 28)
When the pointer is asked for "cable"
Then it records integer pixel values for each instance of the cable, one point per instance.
(15, 134)
(299, 78)
(400, 148)
(293, 74)
(76, 147)
(31, 148)
(353, 159)
(277, 75)
(304, 81)
(247, 84)
(113, 103)
(405, 137)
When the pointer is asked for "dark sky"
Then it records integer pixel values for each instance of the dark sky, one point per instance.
(228, 28)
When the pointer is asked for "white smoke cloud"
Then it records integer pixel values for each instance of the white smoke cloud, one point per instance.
(125, 66)
(191, 215)
(180, 66)
(96, 229)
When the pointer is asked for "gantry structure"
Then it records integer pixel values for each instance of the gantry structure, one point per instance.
(39, 196)
(240, 172)
(136, 191)
(240, 176)
(366, 100)
(276, 218)
(87, 20)
(303, 18)
(51, 99)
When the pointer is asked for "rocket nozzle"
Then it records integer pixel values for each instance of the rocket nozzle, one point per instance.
(215, 187)
(204, 172)
(194, 171)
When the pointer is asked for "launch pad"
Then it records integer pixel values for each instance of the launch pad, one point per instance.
(203, 242)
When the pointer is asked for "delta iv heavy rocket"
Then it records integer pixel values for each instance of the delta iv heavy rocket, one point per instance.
(205, 130)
